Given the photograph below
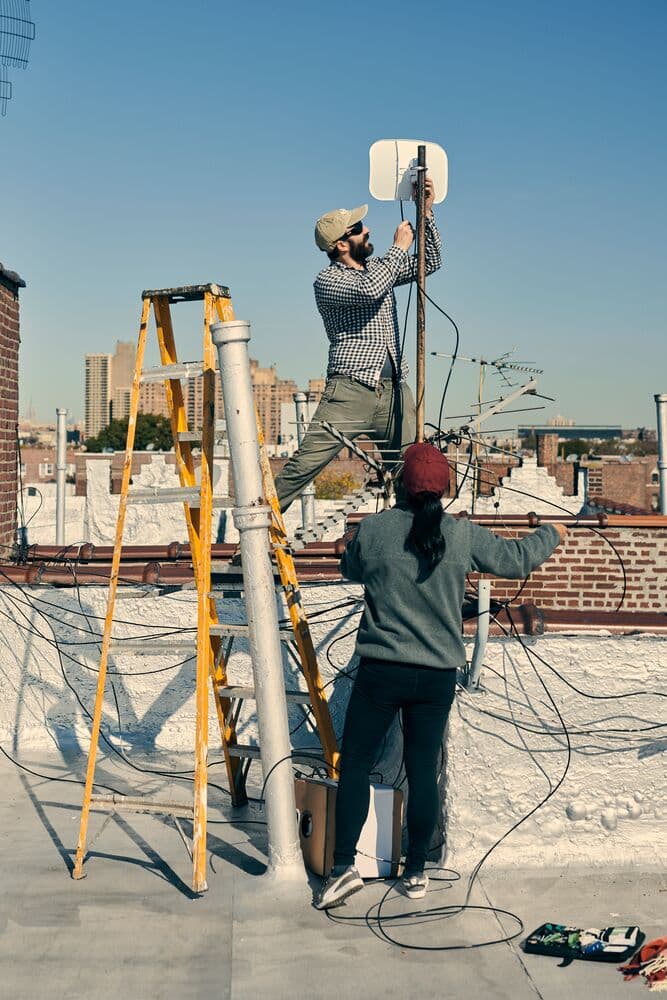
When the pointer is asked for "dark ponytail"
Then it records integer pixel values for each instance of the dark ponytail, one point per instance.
(425, 537)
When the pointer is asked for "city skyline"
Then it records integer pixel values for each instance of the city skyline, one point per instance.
(107, 393)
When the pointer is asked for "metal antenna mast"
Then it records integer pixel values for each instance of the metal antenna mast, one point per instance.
(421, 292)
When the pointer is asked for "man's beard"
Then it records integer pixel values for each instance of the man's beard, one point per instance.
(360, 251)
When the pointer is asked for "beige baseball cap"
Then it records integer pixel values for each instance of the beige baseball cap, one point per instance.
(331, 227)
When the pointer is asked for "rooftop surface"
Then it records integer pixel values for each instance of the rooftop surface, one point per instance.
(133, 928)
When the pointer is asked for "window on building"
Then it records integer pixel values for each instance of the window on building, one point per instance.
(23, 470)
(45, 469)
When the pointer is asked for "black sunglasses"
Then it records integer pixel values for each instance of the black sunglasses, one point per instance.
(355, 230)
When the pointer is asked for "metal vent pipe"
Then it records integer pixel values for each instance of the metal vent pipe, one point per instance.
(308, 494)
(252, 517)
(61, 470)
(661, 406)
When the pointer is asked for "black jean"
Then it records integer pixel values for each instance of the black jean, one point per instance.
(425, 696)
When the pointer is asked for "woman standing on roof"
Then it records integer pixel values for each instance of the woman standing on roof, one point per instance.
(412, 560)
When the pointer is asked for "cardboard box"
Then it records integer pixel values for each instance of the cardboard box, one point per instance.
(379, 847)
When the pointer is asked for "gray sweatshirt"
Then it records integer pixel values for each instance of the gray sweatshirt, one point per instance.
(406, 621)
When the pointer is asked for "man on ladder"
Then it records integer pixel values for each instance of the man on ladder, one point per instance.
(366, 389)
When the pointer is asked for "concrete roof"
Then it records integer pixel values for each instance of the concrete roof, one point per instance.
(132, 927)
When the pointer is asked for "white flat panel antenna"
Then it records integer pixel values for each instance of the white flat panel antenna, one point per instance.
(393, 169)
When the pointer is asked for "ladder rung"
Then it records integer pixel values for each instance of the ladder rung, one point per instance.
(183, 369)
(246, 750)
(175, 494)
(220, 567)
(171, 494)
(153, 647)
(194, 437)
(125, 803)
(234, 691)
(285, 634)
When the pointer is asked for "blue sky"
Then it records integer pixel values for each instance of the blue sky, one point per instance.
(160, 143)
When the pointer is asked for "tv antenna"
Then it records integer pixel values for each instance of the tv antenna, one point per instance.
(398, 173)
(17, 31)
(507, 370)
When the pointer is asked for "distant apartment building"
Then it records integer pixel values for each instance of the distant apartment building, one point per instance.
(270, 393)
(97, 393)
(315, 389)
(120, 402)
(193, 393)
(122, 375)
(122, 365)
(153, 399)
(108, 387)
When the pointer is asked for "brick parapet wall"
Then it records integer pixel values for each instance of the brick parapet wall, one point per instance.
(9, 410)
(585, 572)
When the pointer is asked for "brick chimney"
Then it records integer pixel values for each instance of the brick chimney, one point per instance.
(547, 449)
(10, 283)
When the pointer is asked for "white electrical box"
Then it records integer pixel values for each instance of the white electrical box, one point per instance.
(393, 169)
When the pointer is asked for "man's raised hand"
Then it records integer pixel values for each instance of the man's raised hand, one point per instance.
(404, 235)
(429, 195)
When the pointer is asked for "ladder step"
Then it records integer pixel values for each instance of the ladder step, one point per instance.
(154, 647)
(235, 691)
(285, 634)
(175, 494)
(126, 803)
(184, 369)
(194, 437)
(253, 752)
(220, 567)
(172, 494)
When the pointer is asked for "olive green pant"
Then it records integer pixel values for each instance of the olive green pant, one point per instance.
(385, 414)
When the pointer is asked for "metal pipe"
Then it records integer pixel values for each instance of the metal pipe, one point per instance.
(61, 471)
(308, 495)
(661, 406)
(483, 608)
(252, 517)
(421, 292)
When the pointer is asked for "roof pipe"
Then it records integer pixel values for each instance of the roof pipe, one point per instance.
(661, 406)
(308, 494)
(61, 470)
(252, 517)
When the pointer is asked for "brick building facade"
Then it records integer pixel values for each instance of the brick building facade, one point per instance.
(10, 339)
(636, 483)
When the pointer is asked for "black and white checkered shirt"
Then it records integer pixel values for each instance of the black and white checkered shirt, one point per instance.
(358, 308)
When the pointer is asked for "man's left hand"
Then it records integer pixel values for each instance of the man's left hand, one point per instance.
(429, 195)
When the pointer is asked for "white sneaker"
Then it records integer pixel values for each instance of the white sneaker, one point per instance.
(337, 888)
(415, 886)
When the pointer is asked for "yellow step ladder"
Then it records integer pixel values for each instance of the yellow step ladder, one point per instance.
(198, 506)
